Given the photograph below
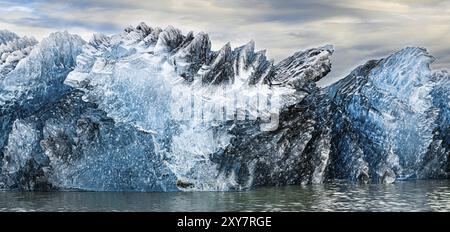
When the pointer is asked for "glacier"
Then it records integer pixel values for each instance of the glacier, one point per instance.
(152, 109)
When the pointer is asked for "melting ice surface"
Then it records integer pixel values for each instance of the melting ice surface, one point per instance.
(393, 110)
(138, 84)
(155, 110)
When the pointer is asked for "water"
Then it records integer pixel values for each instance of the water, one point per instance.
(426, 195)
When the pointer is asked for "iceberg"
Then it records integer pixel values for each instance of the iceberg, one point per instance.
(152, 109)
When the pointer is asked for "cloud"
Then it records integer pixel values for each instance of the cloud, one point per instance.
(360, 30)
(17, 9)
(62, 24)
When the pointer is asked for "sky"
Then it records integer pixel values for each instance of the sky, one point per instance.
(359, 30)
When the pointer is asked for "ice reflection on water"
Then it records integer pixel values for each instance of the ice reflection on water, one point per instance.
(426, 195)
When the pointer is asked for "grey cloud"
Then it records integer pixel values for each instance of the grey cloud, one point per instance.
(287, 11)
(74, 4)
(360, 30)
(442, 59)
(63, 24)
(298, 34)
(40, 19)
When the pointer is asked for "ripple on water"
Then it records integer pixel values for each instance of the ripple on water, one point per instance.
(425, 195)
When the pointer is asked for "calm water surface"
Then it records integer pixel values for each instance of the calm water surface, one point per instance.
(427, 195)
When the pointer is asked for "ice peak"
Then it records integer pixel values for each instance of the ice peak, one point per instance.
(221, 70)
(99, 40)
(6, 36)
(169, 39)
(328, 47)
(14, 50)
(402, 72)
(144, 28)
(304, 66)
(250, 46)
(417, 54)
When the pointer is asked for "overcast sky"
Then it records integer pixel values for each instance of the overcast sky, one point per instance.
(359, 30)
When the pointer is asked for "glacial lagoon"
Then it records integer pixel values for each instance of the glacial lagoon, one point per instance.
(420, 195)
